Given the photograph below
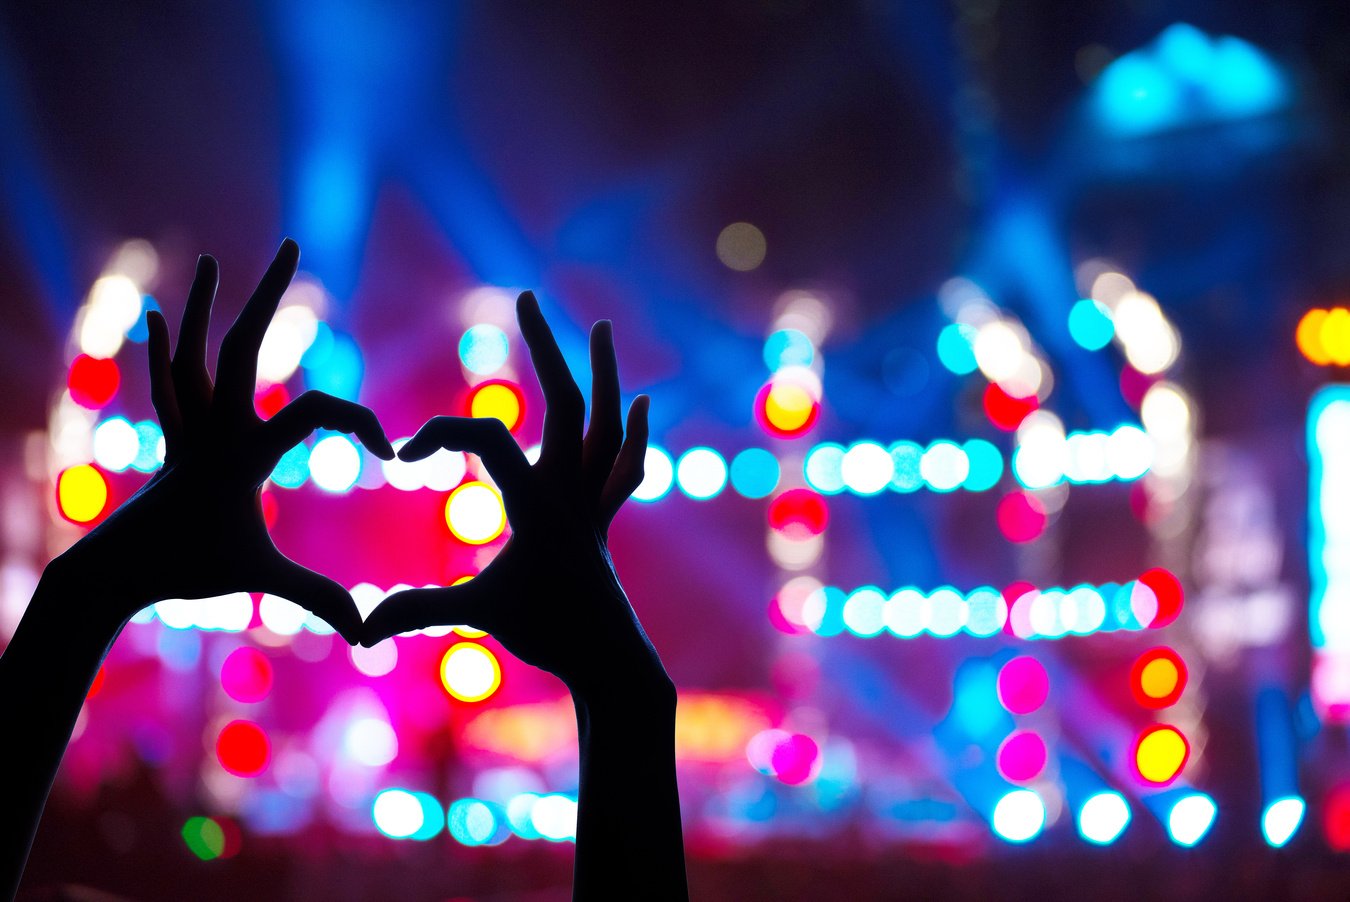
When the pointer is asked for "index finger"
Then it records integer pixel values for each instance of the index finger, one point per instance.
(566, 410)
(237, 371)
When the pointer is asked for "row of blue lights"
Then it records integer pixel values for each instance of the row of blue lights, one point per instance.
(408, 814)
(1052, 613)
(1019, 816)
(863, 468)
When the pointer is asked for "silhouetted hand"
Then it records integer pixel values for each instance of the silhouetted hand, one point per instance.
(196, 529)
(551, 596)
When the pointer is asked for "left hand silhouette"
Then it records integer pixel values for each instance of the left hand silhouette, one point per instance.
(196, 529)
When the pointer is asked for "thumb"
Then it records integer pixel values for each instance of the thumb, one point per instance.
(414, 609)
(315, 592)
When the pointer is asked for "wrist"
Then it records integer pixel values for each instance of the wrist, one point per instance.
(71, 598)
(648, 696)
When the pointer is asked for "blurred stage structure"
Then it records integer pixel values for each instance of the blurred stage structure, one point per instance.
(1051, 551)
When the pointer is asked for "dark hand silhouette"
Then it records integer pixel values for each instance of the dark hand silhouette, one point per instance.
(551, 597)
(196, 529)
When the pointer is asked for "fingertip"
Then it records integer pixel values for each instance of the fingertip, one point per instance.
(289, 246)
(527, 305)
(408, 453)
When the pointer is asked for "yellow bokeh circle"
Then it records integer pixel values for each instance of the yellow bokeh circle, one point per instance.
(81, 492)
(1159, 678)
(475, 513)
(499, 400)
(1160, 754)
(1323, 336)
(470, 673)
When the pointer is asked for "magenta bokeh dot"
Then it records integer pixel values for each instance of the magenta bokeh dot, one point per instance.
(1021, 757)
(794, 759)
(246, 675)
(1023, 685)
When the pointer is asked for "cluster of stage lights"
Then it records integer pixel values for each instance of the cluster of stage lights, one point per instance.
(408, 814)
(1102, 814)
(1329, 549)
(786, 407)
(1020, 815)
(469, 672)
(336, 464)
(1152, 601)
(986, 339)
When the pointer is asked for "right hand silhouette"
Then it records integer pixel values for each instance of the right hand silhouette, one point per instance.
(551, 596)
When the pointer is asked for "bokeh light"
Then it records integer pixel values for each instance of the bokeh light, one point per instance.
(498, 399)
(701, 473)
(1157, 678)
(985, 462)
(475, 513)
(1336, 817)
(243, 749)
(116, 444)
(397, 813)
(1323, 336)
(335, 463)
(1005, 411)
(788, 347)
(1090, 324)
(1160, 753)
(824, 468)
(1281, 820)
(799, 513)
(741, 246)
(864, 611)
(754, 473)
(658, 475)
(1023, 685)
(1021, 756)
(93, 382)
(210, 838)
(473, 822)
(1019, 816)
(370, 741)
(289, 335)
(554, 817)
(292, 469)
(1190, 818)
(246, 675)
(1021, 517)
(867, 468)
(470, 673)
(81, 493)
(944, 466)
(786, 407)
(907, 463)
(1168, 593)
(1103, 817)
(955, 348)
(483, 349)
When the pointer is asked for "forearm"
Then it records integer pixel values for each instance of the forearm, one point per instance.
(629, 839)
(45, 674)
